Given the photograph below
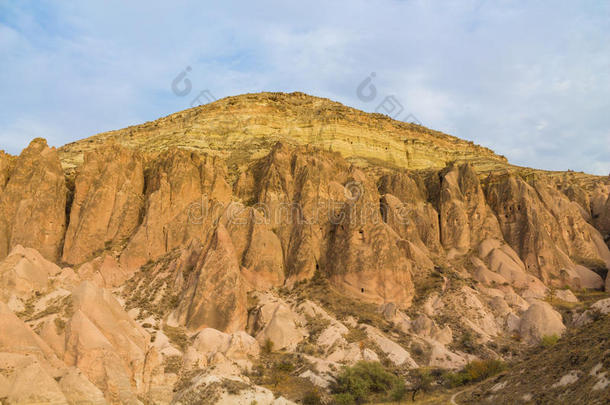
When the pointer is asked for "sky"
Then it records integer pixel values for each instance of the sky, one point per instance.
(529, 79)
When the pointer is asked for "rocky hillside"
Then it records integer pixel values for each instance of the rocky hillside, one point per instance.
(249, 249)
(242, 128)
(574, 370)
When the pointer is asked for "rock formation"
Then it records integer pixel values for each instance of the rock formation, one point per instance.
(215, 294)
(274, 238)
(33, 203)
(108, 198)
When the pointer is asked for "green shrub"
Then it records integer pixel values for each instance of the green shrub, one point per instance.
(475, 371)
(479, 370)
(312, 398)
(549, 340)
(284, 366)
(455, 379)
(399, 391)
(357, 383)
(344, 398)
(422, 381)
(468, 342)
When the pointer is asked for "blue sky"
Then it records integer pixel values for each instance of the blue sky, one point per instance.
(530, 79)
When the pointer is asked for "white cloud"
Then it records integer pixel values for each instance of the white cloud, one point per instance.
(530, 80)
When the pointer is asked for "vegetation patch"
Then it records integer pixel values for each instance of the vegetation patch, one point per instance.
(475, 371)
(365, 382)
(279, 372)
(318, 289)
(177, 336)
(581, 350)
(549, 340)
(172, 364)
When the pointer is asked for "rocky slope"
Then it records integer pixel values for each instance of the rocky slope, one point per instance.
(246, 127)
(574, 370)
(192, 258)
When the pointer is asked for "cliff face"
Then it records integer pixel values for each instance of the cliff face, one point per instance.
(262, 212)
(33, 205)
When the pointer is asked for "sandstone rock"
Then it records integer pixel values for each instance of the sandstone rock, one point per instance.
(483, 275)
(544, 228)
(406, 209)
(333, 335)
(154, 218)
(25, 272)
(274, 320)
(18, 338)
(33, 203)
(504, 261)
(582, 277)
(6, 163)
(215, 295)
(540, 320)
(215, 388)
(28, 382)
(79, 390)
(365, 259)
(185, 196)
(442, 357)
(350, 353)
(602, 306)
(238, 347)
(104, 271)
(566, 295)
(395, 353)
(258, 248)
(297, 190)
(600, 212)
(425, 327)
(315, 379)
(88, 349)
(578, 195)
(108, 346)
(52, 336)
(468, 305)
(108, 198)
(465, 217)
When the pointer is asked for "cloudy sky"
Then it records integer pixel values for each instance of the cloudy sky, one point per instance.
(530, 79)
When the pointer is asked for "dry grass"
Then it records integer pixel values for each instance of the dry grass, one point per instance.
(279, 373)
(543, 366)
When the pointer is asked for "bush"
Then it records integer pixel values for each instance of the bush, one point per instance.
(268, 346)
(354, 385)
(475, 371)
(468, 342)
(549, 340)
(422, 381)
(399, 391)
(312, 398)
(479, 370)
(177, 336)
(344, 399)
(284, 366)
